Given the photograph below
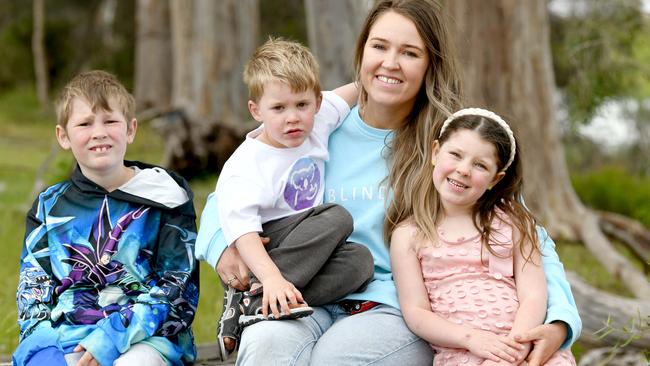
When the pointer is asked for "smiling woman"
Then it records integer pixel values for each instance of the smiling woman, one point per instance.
(393, 68)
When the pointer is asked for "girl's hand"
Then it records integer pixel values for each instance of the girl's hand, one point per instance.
(278, 290)
(494, 347)
(87, 359)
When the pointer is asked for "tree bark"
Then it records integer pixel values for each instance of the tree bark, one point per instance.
(38, 51)
(506, 57)
(332, 29)
(153, 81)
(212, 42)
(182, 34)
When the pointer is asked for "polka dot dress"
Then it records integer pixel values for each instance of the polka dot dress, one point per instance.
(467, 291)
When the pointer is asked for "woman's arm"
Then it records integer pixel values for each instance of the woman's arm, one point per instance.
(414, 302)
(349, 93)
(561, 305)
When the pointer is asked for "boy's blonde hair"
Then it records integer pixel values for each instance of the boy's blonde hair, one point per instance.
(283, 61)
(97, 88)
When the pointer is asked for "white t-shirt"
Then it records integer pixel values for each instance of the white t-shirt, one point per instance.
(260, 183)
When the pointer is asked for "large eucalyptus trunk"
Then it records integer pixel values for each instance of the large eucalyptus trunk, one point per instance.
(212, 40)
(332, 29)
(152, 55)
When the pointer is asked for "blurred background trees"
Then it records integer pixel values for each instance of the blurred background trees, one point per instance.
(575, 80)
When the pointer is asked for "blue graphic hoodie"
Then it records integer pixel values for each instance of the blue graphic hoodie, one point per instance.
(110, 269)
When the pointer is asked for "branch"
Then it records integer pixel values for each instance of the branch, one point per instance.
(599, 309)
(616, 264)
(631, 232)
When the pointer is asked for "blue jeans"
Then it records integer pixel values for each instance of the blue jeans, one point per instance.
(330, 336)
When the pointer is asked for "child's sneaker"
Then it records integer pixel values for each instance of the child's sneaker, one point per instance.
(251, 309)
(229, 322)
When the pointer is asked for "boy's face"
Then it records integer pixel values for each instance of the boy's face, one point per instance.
(98, 139)
(288, 116)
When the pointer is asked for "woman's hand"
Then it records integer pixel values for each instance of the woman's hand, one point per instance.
(232, 270)
(546, 339)
(493, 347)
(87, 359)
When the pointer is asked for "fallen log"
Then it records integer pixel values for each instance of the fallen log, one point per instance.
(596, 307)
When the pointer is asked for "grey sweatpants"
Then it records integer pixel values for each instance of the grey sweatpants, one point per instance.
(311, 251)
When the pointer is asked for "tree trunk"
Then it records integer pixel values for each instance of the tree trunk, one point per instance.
(212, 42)
(506, 57)
(332, 29)
(182, 37)
(153, 81)
(38, 50)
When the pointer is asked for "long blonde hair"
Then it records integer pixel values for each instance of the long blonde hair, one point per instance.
(409, 151)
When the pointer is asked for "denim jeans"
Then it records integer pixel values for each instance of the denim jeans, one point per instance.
(330, 336)
(139, 354)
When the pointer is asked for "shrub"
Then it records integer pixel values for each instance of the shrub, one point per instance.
(612, 188)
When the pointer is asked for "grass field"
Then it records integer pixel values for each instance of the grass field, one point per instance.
(27, 139)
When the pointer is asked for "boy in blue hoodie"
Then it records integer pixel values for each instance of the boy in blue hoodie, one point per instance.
(107, 271)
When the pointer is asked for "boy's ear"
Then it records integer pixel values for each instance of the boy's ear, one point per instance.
(131, 128)
(255, 111)
(62, 137)
(319, 100)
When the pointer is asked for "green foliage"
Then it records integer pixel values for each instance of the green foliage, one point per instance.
(286, 20)
(634, 330)
(75, 40)
(613, 189)
(15, 41)
(596, 55)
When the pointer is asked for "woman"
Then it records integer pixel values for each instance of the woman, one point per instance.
(407, 73)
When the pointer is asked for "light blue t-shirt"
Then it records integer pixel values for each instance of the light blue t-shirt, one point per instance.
(355, 179)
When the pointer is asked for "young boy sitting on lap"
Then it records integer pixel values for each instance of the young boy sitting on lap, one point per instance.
(107, 270)
(272, 187)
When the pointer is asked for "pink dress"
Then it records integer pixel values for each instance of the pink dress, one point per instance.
(478, 294)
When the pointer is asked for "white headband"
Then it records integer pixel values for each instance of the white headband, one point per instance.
(488, 114)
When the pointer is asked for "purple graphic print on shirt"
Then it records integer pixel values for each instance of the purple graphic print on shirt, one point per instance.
(303, 184)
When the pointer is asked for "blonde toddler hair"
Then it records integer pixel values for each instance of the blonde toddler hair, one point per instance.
(282, 61)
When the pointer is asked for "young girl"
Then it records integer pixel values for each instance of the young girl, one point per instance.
(469, 274)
